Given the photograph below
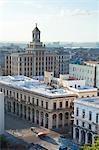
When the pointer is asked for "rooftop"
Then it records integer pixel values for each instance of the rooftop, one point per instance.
(90, 101)
(83, 88)
(92, 62)
(35, 86)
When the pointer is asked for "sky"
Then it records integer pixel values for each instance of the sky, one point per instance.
(58, 20)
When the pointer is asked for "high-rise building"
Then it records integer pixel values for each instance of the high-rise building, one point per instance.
(36, 59)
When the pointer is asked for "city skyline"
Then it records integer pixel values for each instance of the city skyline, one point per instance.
(57, 20)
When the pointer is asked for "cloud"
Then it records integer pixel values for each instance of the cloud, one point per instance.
(77, 12)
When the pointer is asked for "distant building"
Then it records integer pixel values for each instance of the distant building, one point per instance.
(1, 113)
(89, 72)
(71, 83)
(86, 120)
(37, 58)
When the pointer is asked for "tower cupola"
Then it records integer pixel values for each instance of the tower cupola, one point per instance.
(36, 34)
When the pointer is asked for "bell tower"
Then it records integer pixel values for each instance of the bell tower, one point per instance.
(36, 35)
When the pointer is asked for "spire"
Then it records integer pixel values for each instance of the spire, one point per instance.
(36, 24)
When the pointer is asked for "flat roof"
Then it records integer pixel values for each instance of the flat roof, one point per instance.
(83, 88)
(92, 62)
(89, 101)
(36, 86)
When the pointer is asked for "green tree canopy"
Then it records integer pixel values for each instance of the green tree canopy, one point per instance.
(94, 146)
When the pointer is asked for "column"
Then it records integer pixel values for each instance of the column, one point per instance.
(86, 138)
(57, 122)
(15, 108)
(5, 103)
(19, 110)
(35, 117)
(44, 120)
(93, 138)
(69, 118)
(23, 111)
(27, 113)
(79, 136)
(74, 134)
(50, 121)
(31, 115)
(39, 118)
(63, 120)
(12, 107)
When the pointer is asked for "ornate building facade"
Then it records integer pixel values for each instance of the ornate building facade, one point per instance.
(37, 102)
(86, 120)
(36, 59)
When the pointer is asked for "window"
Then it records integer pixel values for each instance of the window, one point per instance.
(46, 105)
(41, 103)
(37, 102)
(33, 100)
(66, 103)
(77, 122)
(90, 115)
(71, 105)
(17, 95)
(21, 96)
(77, 111)
(25, 97)
(83, 124)
(60, 104)
(10, 93)
(90, 126)
(54, 105)
(29, 99)
(66, 115)
(14, 94)
(7, 92)
(97, 118)
(83, 113)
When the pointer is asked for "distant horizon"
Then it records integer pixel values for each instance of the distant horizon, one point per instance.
(48, 42)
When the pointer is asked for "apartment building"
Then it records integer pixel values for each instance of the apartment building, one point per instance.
(86, 120)
(37, 58)
(89, 71)
(37, 102)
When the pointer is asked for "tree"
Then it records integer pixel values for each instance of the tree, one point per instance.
(94, 146)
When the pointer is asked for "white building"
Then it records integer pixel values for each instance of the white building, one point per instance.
(86, 120)
(89, 72)
(78, 87)
(1, 113)
(37, 102)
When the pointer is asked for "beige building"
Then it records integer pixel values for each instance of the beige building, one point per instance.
(37, 102)
(89, 72)
(37, 59)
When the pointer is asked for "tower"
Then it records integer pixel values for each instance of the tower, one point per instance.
(36, 35)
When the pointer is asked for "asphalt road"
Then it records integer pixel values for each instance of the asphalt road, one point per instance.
(21, 130)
